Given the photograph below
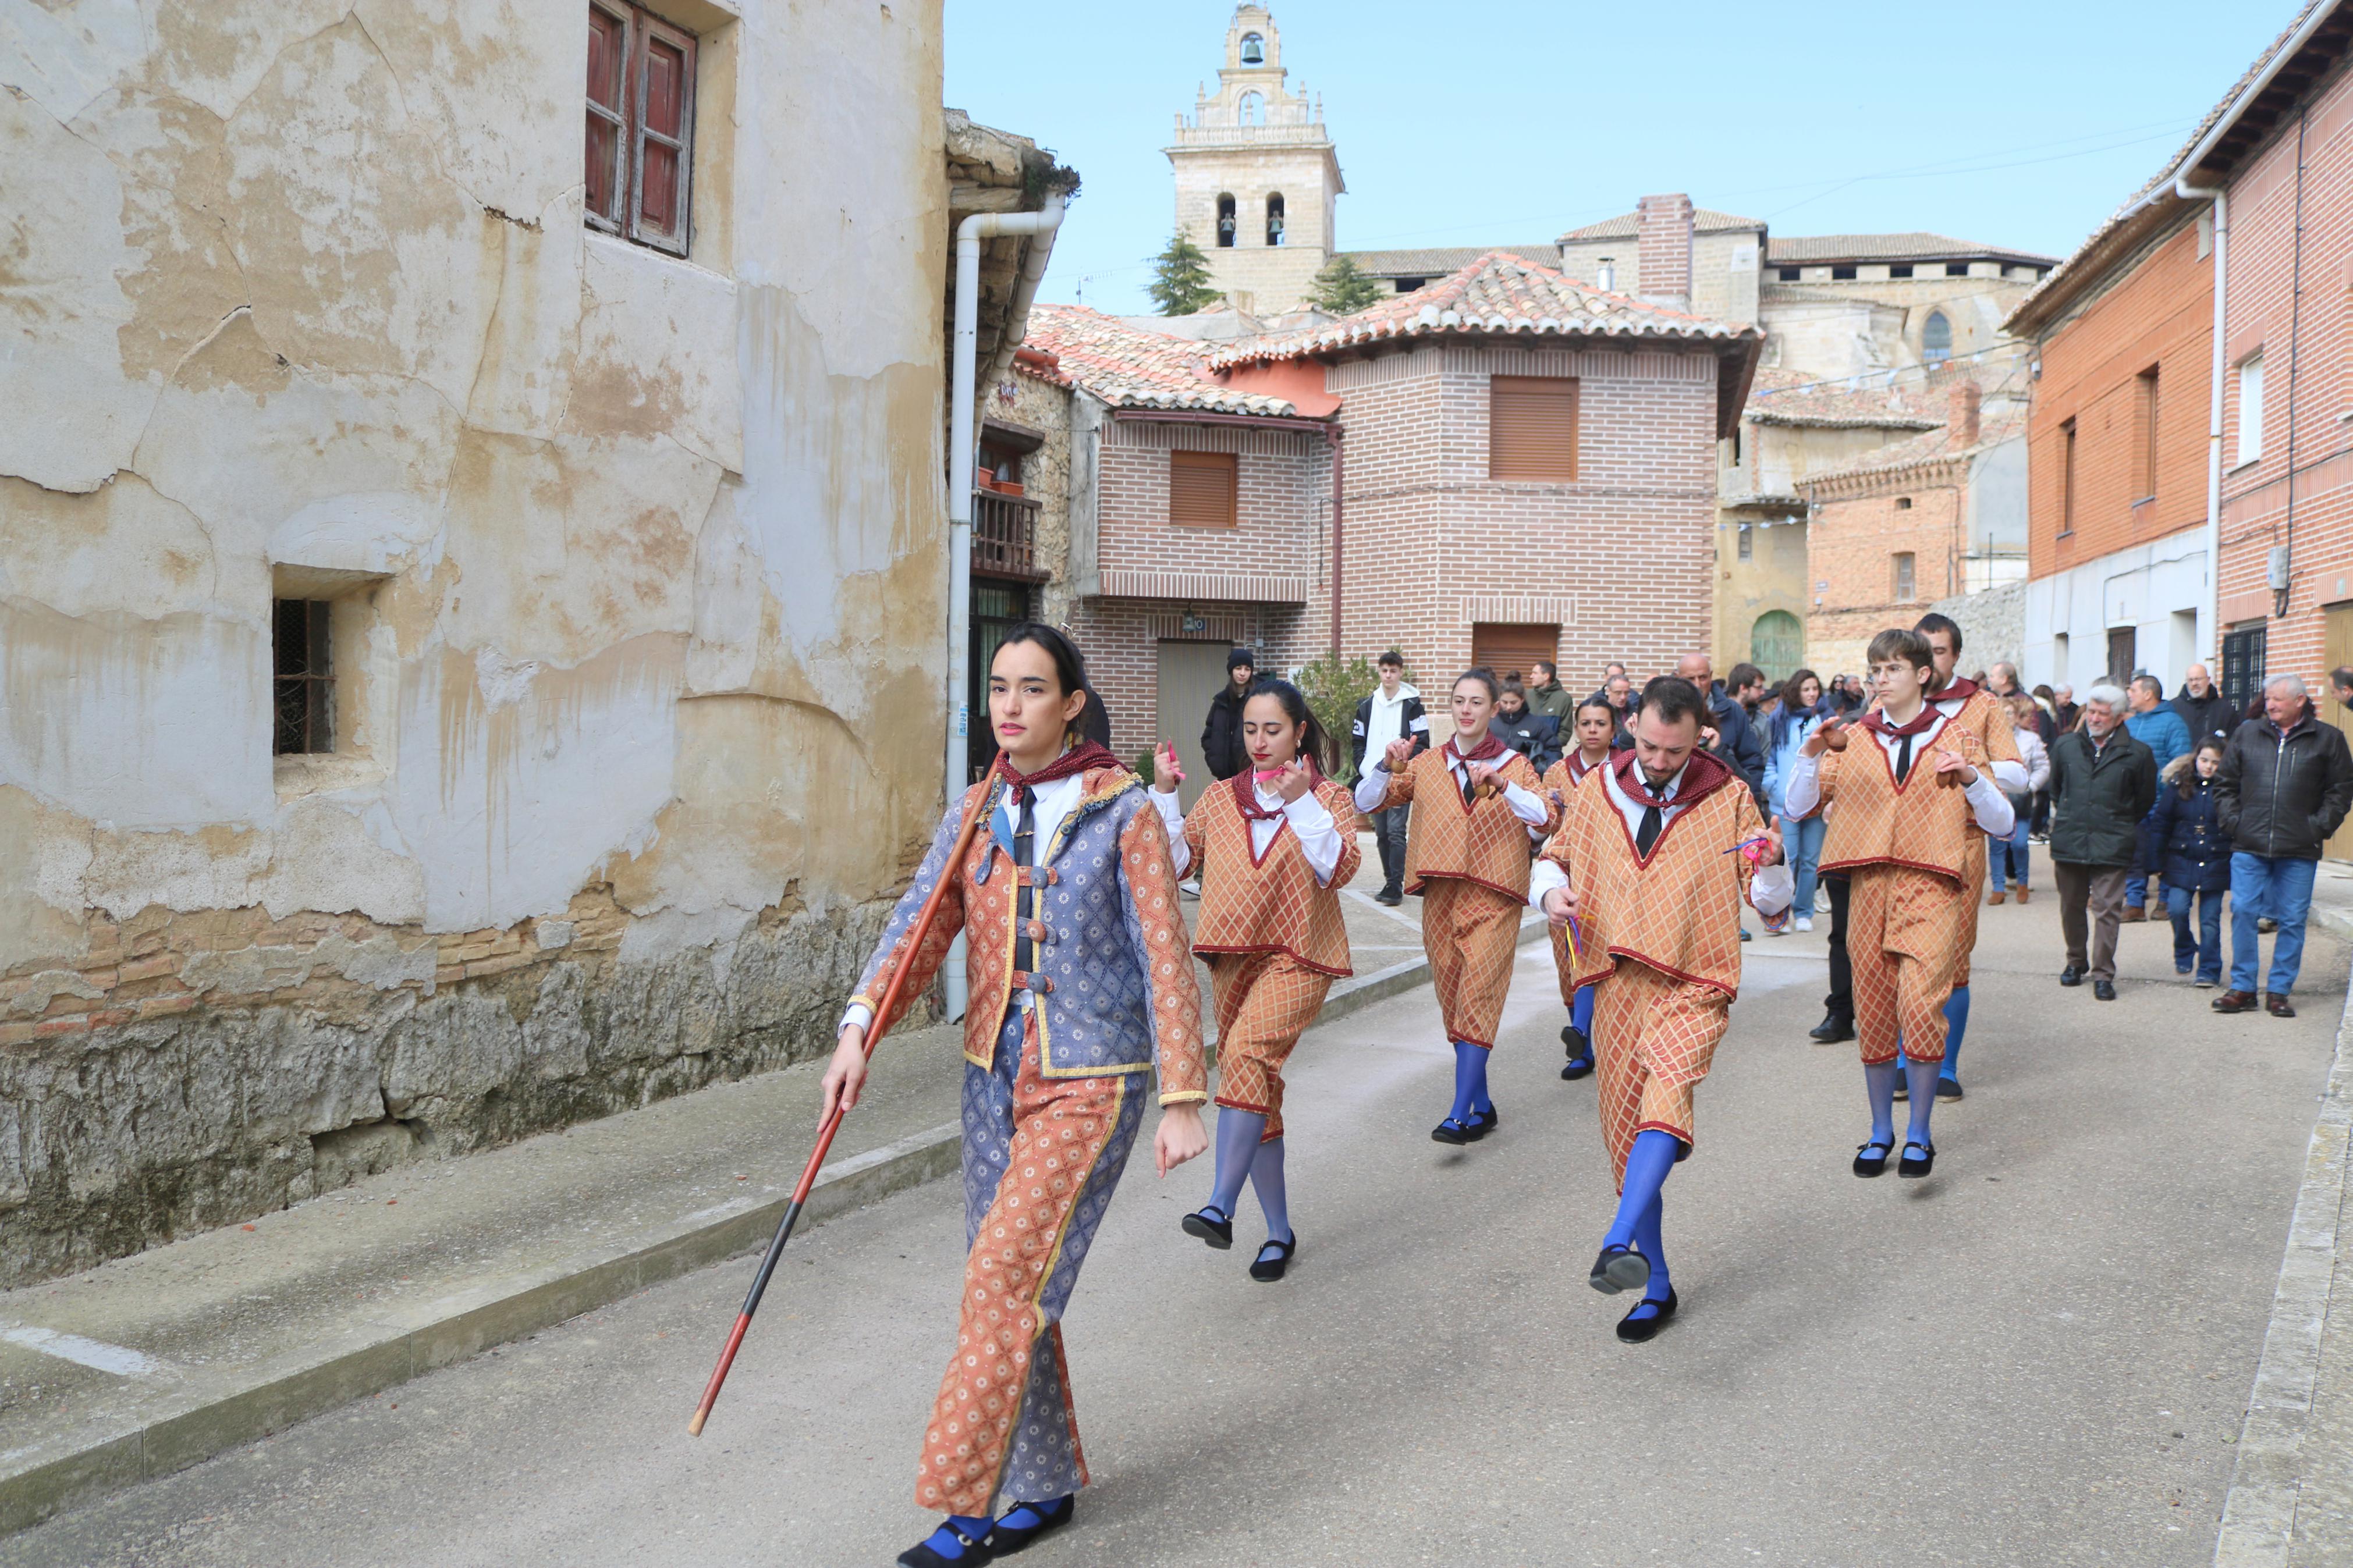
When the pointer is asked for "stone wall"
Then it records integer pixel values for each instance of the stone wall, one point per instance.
(1993, 626)
(633, 566)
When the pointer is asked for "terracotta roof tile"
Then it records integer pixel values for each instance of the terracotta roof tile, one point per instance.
(1917, 247)
(1789, 397)
(1498, 294)
(1929, 447)
(1128, 367)
(1624, 225)
(1429, 262)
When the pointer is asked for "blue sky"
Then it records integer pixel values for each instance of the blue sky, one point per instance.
(1509, 121)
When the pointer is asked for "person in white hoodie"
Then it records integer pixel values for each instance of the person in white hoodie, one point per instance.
(1393, 712)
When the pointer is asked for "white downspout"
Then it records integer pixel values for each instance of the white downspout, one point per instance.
(2188, 192)
(963, 454)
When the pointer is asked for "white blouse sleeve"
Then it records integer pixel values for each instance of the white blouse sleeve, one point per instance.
(1525, 805)
(1180, 854)
(1319, 836)
(1802, 791)
(1373, 787)
(1543, 877)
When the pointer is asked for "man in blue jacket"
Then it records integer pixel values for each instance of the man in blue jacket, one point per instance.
(2160, 729)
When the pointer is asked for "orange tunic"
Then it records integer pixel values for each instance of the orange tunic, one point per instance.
(1473, 841)
(1275, 904)
(1905, 848)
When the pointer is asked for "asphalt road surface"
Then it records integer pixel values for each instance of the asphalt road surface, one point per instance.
(2040, 1355)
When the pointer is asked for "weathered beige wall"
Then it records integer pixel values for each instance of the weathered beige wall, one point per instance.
(639, 564)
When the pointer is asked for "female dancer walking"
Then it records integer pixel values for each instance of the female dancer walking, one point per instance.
(1596, 726)
(1478, 815)
(1275, 844)
(1078, 969)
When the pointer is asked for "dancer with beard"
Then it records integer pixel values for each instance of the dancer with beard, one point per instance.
(1652, 858)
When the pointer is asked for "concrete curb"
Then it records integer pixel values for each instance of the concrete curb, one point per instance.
(212, 1415)
(2259, 1515)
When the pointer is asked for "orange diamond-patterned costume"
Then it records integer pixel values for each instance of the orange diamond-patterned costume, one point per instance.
(1559, 781)
(1978, 713)
(1905, 850)
(1662, 936)
(1468, 861)
(1053, 1098)
(1272, 936)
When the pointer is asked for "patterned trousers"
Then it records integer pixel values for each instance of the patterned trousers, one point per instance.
(1904, 929)
(1040, 1158)
(1654, 1038)
(1975, 872)
(1265, 1002)
(1471, 933)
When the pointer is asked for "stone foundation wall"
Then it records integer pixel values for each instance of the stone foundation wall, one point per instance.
(198, 1070)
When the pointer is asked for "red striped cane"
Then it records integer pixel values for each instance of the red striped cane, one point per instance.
(916, 933)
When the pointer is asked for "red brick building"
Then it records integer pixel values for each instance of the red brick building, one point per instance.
(2131, 452)
(1530, 464)
(1198, 522)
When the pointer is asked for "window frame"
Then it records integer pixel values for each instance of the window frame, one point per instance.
(308, 673)
(1905, 564)
(639, 29)
(2147, 391)
(2249, 447)
(2067, 431)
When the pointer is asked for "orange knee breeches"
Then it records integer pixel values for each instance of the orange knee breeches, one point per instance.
(1653, 1040)
(1903, 931)
(1471, 933)
(1265, 1001)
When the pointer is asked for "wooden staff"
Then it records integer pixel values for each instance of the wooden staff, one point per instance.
(952, 868)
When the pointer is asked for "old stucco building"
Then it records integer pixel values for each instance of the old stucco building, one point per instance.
(470, 622)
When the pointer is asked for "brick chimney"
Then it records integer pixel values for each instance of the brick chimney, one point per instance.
(1962, 421)
(1662, 269)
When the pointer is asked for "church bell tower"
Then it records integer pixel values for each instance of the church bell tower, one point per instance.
(1257, 177)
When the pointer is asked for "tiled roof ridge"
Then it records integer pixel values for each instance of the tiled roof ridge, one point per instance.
(1521, 297)
(1932, 446)
(1626, 225)
(1129, 368)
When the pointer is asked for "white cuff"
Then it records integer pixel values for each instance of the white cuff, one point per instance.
(1544, 877)
(857, 1012)
(1373, 787)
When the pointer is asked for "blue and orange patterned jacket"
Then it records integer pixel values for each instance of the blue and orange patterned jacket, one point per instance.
(1115, 975)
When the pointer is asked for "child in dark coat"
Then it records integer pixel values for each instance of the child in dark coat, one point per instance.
(2196, 853)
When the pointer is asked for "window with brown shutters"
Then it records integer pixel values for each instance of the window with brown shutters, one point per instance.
(1513, 650)
(1202, 488)
(640, 146)
(1531, 428)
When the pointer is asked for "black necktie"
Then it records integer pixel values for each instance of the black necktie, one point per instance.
(1655, 821)
(1903, 759)
(1466, 783)
(1025, 854)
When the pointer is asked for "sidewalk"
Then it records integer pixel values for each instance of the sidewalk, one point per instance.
(149, 1363)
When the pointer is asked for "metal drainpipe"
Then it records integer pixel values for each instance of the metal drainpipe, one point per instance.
(962, 455)
(2220, 198)
(1332, 434)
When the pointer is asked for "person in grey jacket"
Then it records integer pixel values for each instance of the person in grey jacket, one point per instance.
(2285, 785)
(2103, 782)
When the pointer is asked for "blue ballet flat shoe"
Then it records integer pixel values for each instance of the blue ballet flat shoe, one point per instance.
(1014, 1531)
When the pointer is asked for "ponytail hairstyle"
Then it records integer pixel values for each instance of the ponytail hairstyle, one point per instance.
(1315, 740)
(1094, 722)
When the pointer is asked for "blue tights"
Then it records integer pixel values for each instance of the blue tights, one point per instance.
(1580, 1014)
(1470, 1082)
(1956, 1025)
(1244, 1151)
(1919, 1082)
(1641, 1207)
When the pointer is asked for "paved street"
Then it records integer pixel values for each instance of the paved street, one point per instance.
(2039, 1356)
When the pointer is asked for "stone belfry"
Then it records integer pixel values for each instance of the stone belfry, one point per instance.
(1256, 174)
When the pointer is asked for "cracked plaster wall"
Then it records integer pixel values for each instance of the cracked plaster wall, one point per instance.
(637, 559)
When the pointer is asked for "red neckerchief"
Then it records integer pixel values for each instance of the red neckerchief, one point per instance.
(1077, 760)
(1578, 767)
(1703, 775)
(1245, 794)
(1878, 723)
(1488, 746)
(1958, 691)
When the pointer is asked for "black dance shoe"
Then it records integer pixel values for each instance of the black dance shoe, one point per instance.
(1267, 1270)
(921, 1554)
(1908, 1166)
(1577, 1067)
(1005, 1540)
(1616, 1268)
(1948, 1087)
(1636, 1331)
(1833, 1028)
(1210, 1226)
(1453, 1131)
(1868, 1164)
(1482, 1122)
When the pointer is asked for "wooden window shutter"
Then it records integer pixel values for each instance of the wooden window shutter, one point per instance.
(1504, 648)
(665, 131)
(1531, 428)
(1202, 488)
(605, 172)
